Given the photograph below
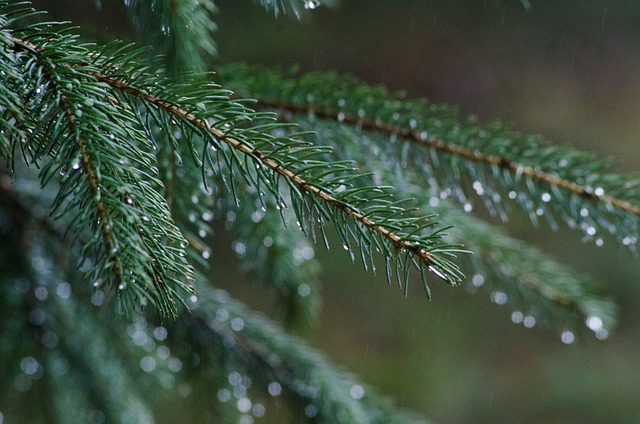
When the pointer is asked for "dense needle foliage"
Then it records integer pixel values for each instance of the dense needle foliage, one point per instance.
(119, 161)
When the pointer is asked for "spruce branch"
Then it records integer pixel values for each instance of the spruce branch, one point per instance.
(272, 163)
(373, 224)
(106, 177)
(544, 180)
(516, 274)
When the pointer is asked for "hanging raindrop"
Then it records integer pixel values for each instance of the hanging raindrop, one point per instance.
(311, 4)
(567, 337)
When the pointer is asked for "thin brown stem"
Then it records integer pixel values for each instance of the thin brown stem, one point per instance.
(459, 151)
(296, 179)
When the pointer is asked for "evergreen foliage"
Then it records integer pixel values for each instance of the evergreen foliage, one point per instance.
(117, 164)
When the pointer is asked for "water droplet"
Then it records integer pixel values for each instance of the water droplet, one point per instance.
(594, 323)
(174, 364)
(628, 240)
(97, 298)
(239, 247)
(224, 395)
(237, 324)
(29, 365)
(231, 216)
(357, 391)
(513, 195)
(602, 334)
(257, 215)
(244, 405)
(584, 212)
(122, 286)
(546, 197)
(160, 333)
(222, 315)
(499, 297)
(517, 317)
(148, 364)
(41, 293)
(304, 290)
(311, 4)
(477, 186)
(274, 388)
(591, 231)
(468, 207)
(64, 290)
(310, 410)
(341, 117)
(477, 280)
(567, 337)
(206, 254)
(258, 410)
(529, 321)
(599, 191)
(345, 247)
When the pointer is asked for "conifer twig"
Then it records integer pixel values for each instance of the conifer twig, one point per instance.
(462, 152)
(296, 179)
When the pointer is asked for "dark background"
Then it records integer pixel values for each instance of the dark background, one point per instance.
(569, 70)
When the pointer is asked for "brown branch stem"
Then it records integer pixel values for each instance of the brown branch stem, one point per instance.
(296, 179)
(463, 152)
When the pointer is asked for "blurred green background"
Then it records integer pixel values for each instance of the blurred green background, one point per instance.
(569, 70)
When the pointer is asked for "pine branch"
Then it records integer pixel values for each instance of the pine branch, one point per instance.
(544, 180)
